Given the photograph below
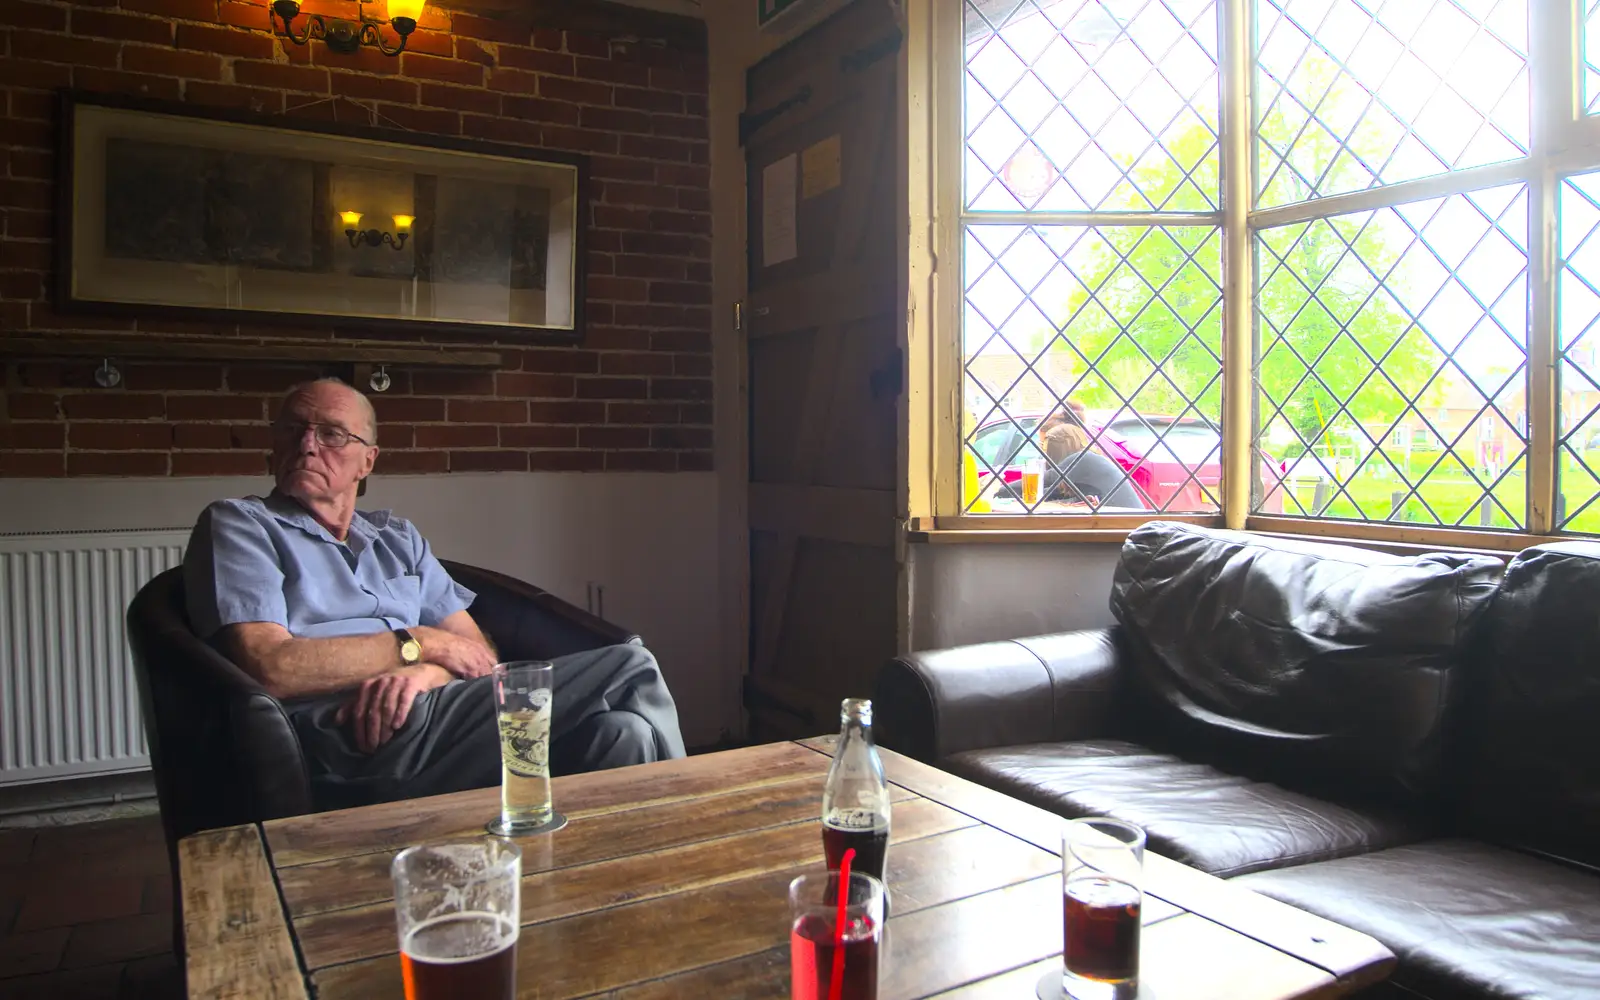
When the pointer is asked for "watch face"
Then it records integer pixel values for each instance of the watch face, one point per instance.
(411, 651)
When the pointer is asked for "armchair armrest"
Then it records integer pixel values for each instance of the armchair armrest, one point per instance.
(1043, 689)
(528, 623)
(223, 749)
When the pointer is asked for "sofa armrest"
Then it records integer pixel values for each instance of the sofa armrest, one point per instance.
(1047, 688)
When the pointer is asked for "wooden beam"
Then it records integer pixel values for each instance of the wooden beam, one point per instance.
(860, 517)
(993, 536)
(1064, 522)
(1432, 539)
(224, 350)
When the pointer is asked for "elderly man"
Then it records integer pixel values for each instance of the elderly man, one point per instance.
(348, 618)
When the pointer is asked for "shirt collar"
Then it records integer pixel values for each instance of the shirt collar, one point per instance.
(364, 525)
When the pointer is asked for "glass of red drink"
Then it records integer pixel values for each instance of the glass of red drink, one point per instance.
(814, 929)
(1102, 878)
(458, 906)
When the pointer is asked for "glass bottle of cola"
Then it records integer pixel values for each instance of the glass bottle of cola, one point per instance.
(855, 801)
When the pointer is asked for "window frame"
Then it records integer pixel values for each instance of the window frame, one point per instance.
(1563, 141)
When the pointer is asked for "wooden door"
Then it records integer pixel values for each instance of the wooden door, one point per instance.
(824, 369)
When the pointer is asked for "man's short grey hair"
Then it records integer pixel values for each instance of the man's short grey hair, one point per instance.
(366, 404)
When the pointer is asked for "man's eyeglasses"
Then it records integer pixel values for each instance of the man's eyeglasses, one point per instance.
(330, 436)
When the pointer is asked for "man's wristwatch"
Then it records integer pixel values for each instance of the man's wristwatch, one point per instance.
(410, 648)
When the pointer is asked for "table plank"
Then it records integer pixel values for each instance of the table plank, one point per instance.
(1186, 958)
(651, 939)
(766, 974)
(390, 826)
(589, 837)
(1354, 958)
(237, 941)
(369, 931)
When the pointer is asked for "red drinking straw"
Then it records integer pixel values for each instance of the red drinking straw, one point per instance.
(836, 988)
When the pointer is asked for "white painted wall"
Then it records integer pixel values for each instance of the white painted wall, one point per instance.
(649, 539)
(979, 593)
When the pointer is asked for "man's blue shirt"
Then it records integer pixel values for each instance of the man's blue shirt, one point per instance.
(268, 560)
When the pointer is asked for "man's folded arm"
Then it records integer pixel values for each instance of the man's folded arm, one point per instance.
(233, 580)
(293, 668)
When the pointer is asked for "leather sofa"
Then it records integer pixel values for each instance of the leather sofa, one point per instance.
(1406, 746)
(223, 750)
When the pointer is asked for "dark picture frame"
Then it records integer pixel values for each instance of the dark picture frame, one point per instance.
(214, 215)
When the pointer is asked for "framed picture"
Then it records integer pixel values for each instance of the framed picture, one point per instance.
(230, 217)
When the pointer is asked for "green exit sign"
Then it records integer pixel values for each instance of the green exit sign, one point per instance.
(772, 8)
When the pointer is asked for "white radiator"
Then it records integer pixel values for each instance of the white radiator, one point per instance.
(69, 705)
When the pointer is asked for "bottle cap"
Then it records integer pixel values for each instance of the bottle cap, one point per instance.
(856, 710)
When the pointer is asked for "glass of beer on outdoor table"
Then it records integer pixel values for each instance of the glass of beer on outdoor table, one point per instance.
(1102, 874)
(458, 906)
(524, 698)
(815, 936)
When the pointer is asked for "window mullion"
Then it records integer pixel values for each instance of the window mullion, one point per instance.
(1555, 60)
(1238, 274)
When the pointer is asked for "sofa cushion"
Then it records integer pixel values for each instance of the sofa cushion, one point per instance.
(1218, 822)
(1465, 919)
(1326, 668)
(1530, 733)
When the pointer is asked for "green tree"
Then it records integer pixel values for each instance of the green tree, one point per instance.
(1143, 324)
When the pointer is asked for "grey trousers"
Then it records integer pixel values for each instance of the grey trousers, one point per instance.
(612, 709)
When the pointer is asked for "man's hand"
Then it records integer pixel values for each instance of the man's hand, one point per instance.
(382, 704)
(464, 657)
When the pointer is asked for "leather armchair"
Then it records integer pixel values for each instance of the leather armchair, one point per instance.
(223, 749)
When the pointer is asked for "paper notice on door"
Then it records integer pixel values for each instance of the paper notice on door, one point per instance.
(819, 167)
(778, 209)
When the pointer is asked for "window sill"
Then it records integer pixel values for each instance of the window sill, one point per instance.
(1014, 536)
(1395, 539)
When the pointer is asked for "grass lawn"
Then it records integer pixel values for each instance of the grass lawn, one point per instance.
(1453, 496)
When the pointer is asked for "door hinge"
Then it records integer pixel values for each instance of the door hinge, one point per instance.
(751, 122)
(738, 316)
(888, 377)
(860, 59)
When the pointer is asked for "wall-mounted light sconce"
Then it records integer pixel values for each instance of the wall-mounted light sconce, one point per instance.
(347, 36)
(376, 237)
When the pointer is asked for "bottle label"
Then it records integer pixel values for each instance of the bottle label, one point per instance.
(854, 819)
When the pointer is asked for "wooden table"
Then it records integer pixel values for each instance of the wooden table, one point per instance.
(670, 883)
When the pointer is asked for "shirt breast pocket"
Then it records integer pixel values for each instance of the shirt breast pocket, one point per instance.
(400, 597)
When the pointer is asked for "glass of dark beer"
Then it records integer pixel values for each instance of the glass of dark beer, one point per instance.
(814, 938)
(458, 906)
(1102, 872)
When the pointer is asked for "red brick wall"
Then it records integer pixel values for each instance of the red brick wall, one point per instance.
(636, 394)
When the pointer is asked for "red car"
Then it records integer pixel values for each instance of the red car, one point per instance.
(1158, 453)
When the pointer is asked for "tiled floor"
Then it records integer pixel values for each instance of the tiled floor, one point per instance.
(86, 913)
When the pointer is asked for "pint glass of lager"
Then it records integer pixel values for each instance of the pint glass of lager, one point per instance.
(458, 906)
(524, 696)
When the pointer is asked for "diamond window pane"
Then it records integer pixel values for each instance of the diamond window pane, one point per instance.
(1093, 360)
(1352, 95)
(1591, 56)
(1091, 105)
(1392, 366)
(1578, 341)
